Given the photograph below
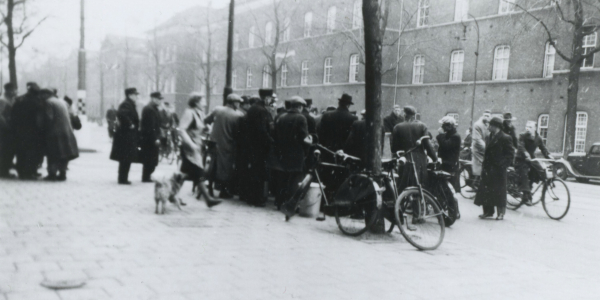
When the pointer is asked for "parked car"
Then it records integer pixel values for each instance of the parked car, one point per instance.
(582, 166)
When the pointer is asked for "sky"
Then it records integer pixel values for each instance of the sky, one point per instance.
(59, 34)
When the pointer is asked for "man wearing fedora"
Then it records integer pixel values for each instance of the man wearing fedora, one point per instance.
(125, 139)
(150, 135)
(336, 125)
(499, 154)
(508, 128)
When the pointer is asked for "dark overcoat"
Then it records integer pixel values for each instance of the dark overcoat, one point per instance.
(60, 140)
(27, 125)
(225, 121)
(356, 144)
(528, 143)
(335, 128)
(289, 151)
(259, 123)
(404, 137)
(499, 154)
(149, 134)
(125, 140)
(510, 130)
(391, 121)
(449, 150)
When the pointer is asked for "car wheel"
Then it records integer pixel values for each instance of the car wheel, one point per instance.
(560, 171)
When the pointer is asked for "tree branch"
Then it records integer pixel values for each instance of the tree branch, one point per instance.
(26, 35)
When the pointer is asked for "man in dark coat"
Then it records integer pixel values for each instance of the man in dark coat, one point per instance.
(125, 141)
(449, 149)
(528, 169)
(356, 144)
(259, 124)
(404, 137)
(499, 154)
(61, 145)
(508, 128)
(288, 153)
(310, 121)
(393, 119)
(111, 118)
(27, 121)
(150, 135)
(7, 151)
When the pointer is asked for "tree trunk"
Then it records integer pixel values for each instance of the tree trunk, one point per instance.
(574, 71)
(12, 51)
(274, 72)
(373, 64)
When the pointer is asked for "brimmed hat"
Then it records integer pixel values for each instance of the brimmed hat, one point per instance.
(297, 100)
(156, 95)
(346, 99)
(495, 121)
(265, 93)
(131, 91)
(309, 102)
(448, 120)
(508, 117)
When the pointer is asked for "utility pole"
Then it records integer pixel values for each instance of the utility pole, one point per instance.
(228, 90)
(475, 73)
(81, 94)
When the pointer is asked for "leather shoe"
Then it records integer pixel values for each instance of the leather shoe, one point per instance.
(500, 217)
(124, 182)
(485, 216)
(146, 180)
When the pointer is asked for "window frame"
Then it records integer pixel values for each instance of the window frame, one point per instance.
(506, 7)
(357, 16)
(269, 33)
(308, 24)
(251, 36)
(248, 78)
(327, 68)
(304, 73)
(498, 67)
(331, 15)
(453, 65)
(234, 78)
(423, 13)
(549, 60)
(283, 79)
(585, 47)
(286, 32)
(266, 77)
(354, 68)
(584, 129)
(418, 69)
(540, 127)
(461, 10)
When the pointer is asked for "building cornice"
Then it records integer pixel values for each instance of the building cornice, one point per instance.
(582, 70)
(467, 83)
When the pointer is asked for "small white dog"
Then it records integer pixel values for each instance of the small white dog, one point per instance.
(166, 188)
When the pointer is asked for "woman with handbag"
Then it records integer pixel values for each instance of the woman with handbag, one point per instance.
(192, 129)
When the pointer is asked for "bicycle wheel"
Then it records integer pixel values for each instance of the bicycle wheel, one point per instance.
(467, 183)
(356, 218)
(556, 199)
(420, 220)
(513, 194)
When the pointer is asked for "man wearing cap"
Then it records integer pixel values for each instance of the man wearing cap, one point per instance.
(150, 135)
(508, 128)
(528, 169)
(449, 149)
(499, 154)
(259, 124)
(27, 123)
(393, 119)
(125, 139)
(225, 120)
(404, 137)
(288, 153)
(478, 138)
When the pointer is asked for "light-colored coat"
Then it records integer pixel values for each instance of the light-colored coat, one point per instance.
(479, 136)
(225, 121)
(60, 140)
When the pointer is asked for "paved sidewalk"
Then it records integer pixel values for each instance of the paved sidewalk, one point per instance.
(92, 229)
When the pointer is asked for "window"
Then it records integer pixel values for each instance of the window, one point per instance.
(269, 33)
(589, 43)
(251, 37)
(506, 6)
(307, 24)
(266, 77)
(248, 78)
(304, 74)
(423, 13)
(286, 30)
(284, 72)
(549, 60)
(501, 56)
(327, 71)
(457, 59)
(234, 79)
(454, 115)
(418, 69)
(461, 10)
(236, 41)
(357, 15)
(580, 132)
(331, 19)
(172, 84)
(353, 76)
(542, 127)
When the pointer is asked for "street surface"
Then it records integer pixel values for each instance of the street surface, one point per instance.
(89, 228)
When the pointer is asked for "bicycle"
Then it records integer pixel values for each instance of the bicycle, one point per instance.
(169, 149)
(468, 183)
(558, 202)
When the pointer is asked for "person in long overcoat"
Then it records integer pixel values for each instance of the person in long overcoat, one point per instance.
(288, 153)
(258, 127)
(509, 128)
(499, 154)
(335, 126)
(125, 140)
(393, 119)
(225, 120)
(449, 150)
(150, 135)
(27, 122)
(61, 145)
(111, 118)
(7, 151)
(404, 137)
(478, 138)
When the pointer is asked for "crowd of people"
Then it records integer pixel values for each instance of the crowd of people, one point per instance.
(35, 125)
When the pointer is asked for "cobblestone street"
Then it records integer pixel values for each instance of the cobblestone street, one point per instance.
(92, 229)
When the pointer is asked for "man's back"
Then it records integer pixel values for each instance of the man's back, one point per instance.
(335, 128)
(224, 119)
(406, 134)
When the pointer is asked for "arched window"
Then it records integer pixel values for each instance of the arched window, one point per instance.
(251, 37)
(457, 59)
(542, 126)
(357, 18)
(327, 66)
(248, 78)
(549, 60)
(307, 24)
(266, 79)
(304, 74)
(353, 72)
(418, 69)
(331, 19)
(269, 33)
(501, 59)
(286, 29)
(284, 72)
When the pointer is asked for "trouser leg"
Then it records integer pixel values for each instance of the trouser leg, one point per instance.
(62, 169)
(147, 171)
(52, 167)
(124, 171)
(488, 209)
(500, 209)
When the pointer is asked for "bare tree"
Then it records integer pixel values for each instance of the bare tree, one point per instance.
(204, 60)
(158, 67)
(18, 29)
(581, 18)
